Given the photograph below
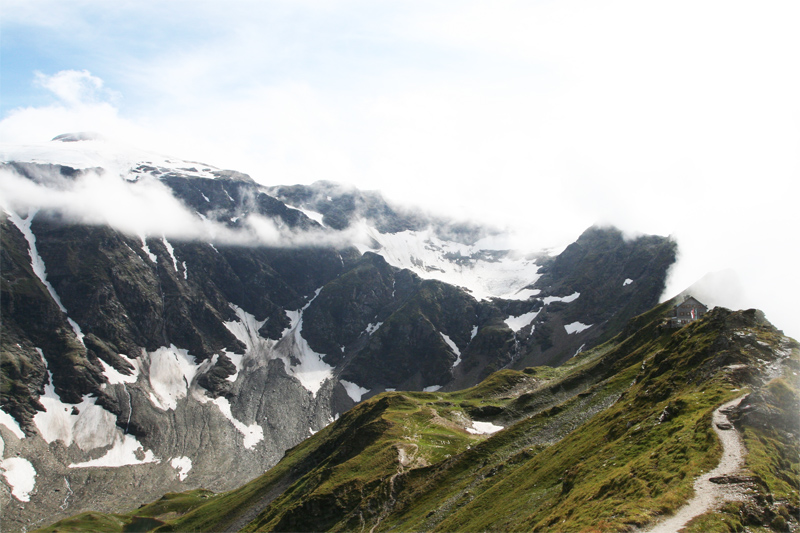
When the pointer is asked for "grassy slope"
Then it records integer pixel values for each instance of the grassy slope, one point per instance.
(612, 439)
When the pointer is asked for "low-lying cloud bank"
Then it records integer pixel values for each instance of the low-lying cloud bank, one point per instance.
(147, 207)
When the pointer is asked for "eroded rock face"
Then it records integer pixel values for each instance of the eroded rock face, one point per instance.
(165, 365)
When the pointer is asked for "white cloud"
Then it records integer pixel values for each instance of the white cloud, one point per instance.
(675, 118)
(73, 87)
(147, 207)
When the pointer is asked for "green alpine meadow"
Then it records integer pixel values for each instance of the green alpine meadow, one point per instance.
(612, 440)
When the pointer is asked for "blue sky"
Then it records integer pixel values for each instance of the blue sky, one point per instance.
(541, 115)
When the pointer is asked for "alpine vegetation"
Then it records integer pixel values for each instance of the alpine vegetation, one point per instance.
(313, 358)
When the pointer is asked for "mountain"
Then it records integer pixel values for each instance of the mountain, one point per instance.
(613, 440)
(170, 325)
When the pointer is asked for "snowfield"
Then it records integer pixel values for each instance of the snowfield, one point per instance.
(483, 271)
(89, 426)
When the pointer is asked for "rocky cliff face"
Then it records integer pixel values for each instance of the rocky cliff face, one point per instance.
(172, 360)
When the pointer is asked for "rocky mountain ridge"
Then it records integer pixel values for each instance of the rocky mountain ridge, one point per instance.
(175, 360)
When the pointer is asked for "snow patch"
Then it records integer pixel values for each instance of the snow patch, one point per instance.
(171, 372)
(579, 350)
(89, 426)
(116, 377)
(432, 388)
(483, 428)
(86, 424)
(125, 451)
(182, 465)
(8, 421)
(236, 359)
(253, 434)
(372, 328)
(77, 329)
(627, 281)
(566, 299)
(354, 391)
(311, 371)
(20, 475)
(185, 272)
(576, 327)
(246, 328)
(313, 215)
(516, 323)
(473, 333)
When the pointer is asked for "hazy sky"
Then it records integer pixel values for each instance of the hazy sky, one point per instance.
(678, 117)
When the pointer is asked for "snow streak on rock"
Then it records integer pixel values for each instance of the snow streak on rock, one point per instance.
(171, 252)
(245, 329)
(579, 350)
(253, 434)
(453, 347)
(311, 370)
(37, 264)
(313, 215)
(146, 250)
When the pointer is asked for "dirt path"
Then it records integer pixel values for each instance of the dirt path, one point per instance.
(708, 495)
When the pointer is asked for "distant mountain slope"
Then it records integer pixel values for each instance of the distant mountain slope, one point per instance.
(612, 440)
(190, 345)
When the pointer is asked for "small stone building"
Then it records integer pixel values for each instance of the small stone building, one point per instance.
(687, 311)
